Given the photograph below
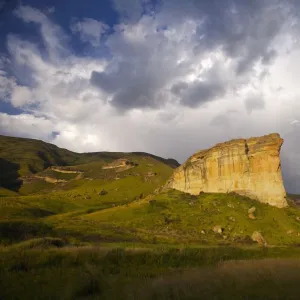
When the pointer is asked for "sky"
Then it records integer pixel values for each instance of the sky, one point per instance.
(168, 77)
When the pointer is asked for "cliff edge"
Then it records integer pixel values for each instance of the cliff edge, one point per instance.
(249, 167)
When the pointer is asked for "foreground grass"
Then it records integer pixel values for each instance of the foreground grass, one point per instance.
(47, 269)
(261, 279)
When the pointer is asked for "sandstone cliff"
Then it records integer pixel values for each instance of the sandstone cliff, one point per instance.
(249, 167)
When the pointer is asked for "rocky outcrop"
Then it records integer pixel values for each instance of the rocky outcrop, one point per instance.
(50, 179)
(65, 170)
(32, 178)
(120, 164)
(249, 167)
(258, 238)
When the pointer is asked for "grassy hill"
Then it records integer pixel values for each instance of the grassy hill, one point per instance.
(114, 197)
(98, 225)
(21, 157)
(176, 218)
(32, 189)
(32, 156)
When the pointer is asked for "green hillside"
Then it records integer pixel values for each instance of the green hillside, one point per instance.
(21, 157)
(32, 156)
(100, 226)
(115, 197)
(40, 180)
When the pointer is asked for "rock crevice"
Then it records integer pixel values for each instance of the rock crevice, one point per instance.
(250, 167)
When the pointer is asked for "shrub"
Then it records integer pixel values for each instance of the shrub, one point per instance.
(171, 219)
(102, 192)
(152, 202)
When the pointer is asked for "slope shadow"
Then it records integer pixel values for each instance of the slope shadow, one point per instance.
(171, 162)
(9, 175)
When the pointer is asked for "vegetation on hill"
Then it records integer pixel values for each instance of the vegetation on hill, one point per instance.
(32, 156)
(95, 228)
(124, 216)
(23, 215)
(21, 157)
(84, 201)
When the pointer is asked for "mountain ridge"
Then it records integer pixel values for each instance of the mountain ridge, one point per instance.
(22, 157)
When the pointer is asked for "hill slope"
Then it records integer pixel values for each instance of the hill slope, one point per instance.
(117, 197)
(19, 157)
(174, 217)
(22, 157)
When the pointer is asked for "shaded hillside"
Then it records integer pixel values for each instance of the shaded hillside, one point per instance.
(110, 156)
(87, 188)
(33, 156)
(294, 198)
(9, 176)
(23, 157)
(173, 163)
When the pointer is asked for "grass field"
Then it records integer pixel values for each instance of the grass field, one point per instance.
(116, 234)
(166, 218)
(43, 270)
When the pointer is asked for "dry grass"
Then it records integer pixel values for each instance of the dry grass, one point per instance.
(259, 279)
(41, 269)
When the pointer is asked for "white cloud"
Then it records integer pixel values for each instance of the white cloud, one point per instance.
(131, 10)
(89, 30)
(7, 82)
(26, 125)
(254, 102)
(295, 122)
(54, 38)
(6, 86)
(21, 96)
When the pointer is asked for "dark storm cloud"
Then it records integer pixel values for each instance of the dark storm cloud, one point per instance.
(243, 30)
(201, 92)
(290, 160)
(131, 85)
(254, 103)
(290, 177)
(167, 117)
(179, 87)
(130, 91)
(138, 77)
(220, 120)
(104, 81)
(211, 86)
(269, 57)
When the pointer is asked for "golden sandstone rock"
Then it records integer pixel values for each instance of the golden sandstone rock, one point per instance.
(249, 167)
(257, 237)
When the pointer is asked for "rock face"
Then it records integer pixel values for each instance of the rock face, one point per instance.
(218, 229)
(249, 167)
(120, 164)
(257, 237)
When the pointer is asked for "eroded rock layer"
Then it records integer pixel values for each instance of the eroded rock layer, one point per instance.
(249, 167)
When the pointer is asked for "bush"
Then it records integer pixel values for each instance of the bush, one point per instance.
(102, 192)
(171, 219)
(14, 231)
(152, 202)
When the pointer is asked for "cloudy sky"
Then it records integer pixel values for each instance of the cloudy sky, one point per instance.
(167, 77)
